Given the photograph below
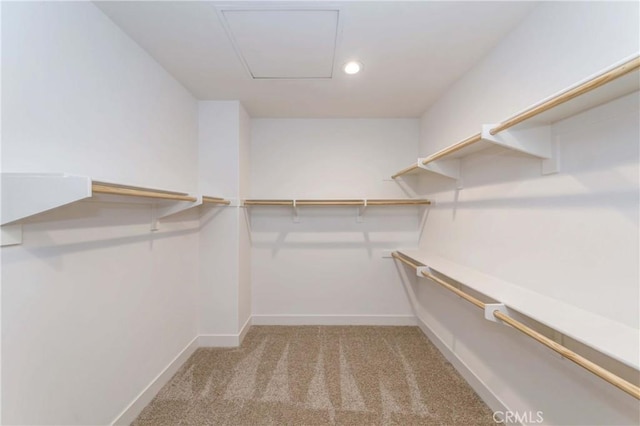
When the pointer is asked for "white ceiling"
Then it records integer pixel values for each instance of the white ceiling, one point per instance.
(284, 43)
(411, 51)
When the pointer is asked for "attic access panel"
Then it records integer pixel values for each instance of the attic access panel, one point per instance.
(284, 44)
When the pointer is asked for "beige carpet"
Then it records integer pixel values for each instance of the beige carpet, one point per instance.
(319, 376)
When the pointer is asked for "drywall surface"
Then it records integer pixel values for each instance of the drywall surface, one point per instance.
(573, 235)
(330, 158)
(559, 44)
(218, 152)
(218, 246)
(244, 231)
(219, 170)
(225, 274)
(80, 97)
(328, 268)
(94, 305)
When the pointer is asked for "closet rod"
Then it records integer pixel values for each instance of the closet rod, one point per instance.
(268, 202)
(405, 171)
(444, 284)
(368, 202)
(592, 367)
(405, 261)
(399, 202)
(329, 202)
(442, 153)
(104, 188)
(581, 89)
(215, 200)
(585, 87)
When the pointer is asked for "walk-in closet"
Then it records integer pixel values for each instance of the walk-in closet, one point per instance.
(253, 213)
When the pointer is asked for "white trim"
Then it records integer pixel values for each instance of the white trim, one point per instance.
(245, 328)
(143, 399)
(334, 320)
(224, 340)
(481, 388)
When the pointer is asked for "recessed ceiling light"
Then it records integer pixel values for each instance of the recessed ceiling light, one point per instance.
(352, 67)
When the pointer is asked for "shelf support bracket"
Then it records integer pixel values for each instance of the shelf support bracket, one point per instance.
(489, 308)
(361, 209)
(160, 212)
(296, 218)
(536, 141)
(449, 168)
(421, 269)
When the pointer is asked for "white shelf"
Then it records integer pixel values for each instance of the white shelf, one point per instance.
(529, 131)
(617, 340)
(360, 204)
(28, 194)
(613, 90)
(592, 93)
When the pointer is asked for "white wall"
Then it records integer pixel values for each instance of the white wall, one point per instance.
(94, 306)
(573, 236)
(244, 231)
(328, 268)
(224, 302)
(79, 96)
(555, 46)
(329, 158)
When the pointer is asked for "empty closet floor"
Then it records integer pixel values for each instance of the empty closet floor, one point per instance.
(311, 375)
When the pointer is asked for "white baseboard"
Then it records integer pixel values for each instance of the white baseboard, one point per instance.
(334, 320)
(130, 413)
(245, 328)
(203, 340)
(224, 340)
(474, 381)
